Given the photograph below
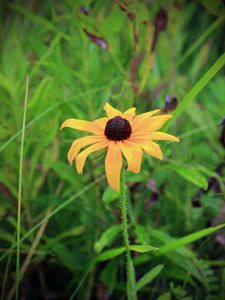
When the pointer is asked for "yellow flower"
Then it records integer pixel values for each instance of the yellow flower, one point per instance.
(124, 134)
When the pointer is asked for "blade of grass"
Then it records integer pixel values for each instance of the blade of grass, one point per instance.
(20, 190)
(31, 252)
(6, 272)
(148, 277)
(197, 88)
(201, 39)
(89, 269)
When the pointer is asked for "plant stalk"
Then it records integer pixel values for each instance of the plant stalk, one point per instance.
(131, 282)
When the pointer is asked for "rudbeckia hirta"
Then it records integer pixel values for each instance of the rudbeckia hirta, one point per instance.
(123, 134)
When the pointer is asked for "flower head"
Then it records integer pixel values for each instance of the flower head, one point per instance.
(123, 134)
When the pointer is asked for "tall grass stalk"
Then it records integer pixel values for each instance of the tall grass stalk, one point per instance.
(20, 191)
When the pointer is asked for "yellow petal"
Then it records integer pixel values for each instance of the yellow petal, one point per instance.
(101, 123)
(150, 148)
(113, 164)
(133, 155)
(151, 124)
(78, 144)
(141, 119)
(153, 149)
(157, 122)
(129, 114)
(111, 111)
(81, 158)
(82, 125)
(157, 136)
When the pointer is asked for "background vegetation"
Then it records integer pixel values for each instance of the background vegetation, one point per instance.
(78, 55)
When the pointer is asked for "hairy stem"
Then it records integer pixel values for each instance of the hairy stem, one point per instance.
(131, 285)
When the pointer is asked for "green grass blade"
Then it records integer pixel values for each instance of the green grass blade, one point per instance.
(201, 39)
(148, 277)
(20, 192)
(197, 88)
(5, 278)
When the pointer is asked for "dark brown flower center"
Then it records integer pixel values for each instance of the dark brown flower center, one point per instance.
(118, 129)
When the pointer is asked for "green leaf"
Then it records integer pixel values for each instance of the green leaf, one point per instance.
(141, 234)
(110, 195)
(142, 248)
(139, 10)
(109, 275)
(109, 254)
(188, 239)
(148, 277)
(107, 237)
(192, 175)
(165, 296)
(113, 23)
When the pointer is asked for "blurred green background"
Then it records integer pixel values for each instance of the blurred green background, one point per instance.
(79, 55)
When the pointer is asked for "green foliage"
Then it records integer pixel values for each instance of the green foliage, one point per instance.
(70, 224)
(148, 277)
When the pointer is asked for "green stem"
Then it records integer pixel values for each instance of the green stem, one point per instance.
(131, 284)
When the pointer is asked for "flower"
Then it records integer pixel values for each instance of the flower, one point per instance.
(123, 134)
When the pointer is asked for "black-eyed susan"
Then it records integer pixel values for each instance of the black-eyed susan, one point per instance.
(123, 134)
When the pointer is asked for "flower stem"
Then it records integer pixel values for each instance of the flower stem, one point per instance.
(131, 284)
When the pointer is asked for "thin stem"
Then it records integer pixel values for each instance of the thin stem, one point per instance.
(20, 192)
(131, 284)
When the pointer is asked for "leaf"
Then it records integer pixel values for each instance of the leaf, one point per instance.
(165, 296)
(74, 231)
(113, 23)
(107, 237)
(7, 85)
(194, 176)
(138, 10)
(181, 256)
(148, 277)
(109, 254)
(39, 91)
(142, 234)
(109, 275)
(110, 195)
(64, 254)
(142, 248)
(188, 239)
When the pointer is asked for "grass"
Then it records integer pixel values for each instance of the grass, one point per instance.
(20, 192)
(61, 225)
